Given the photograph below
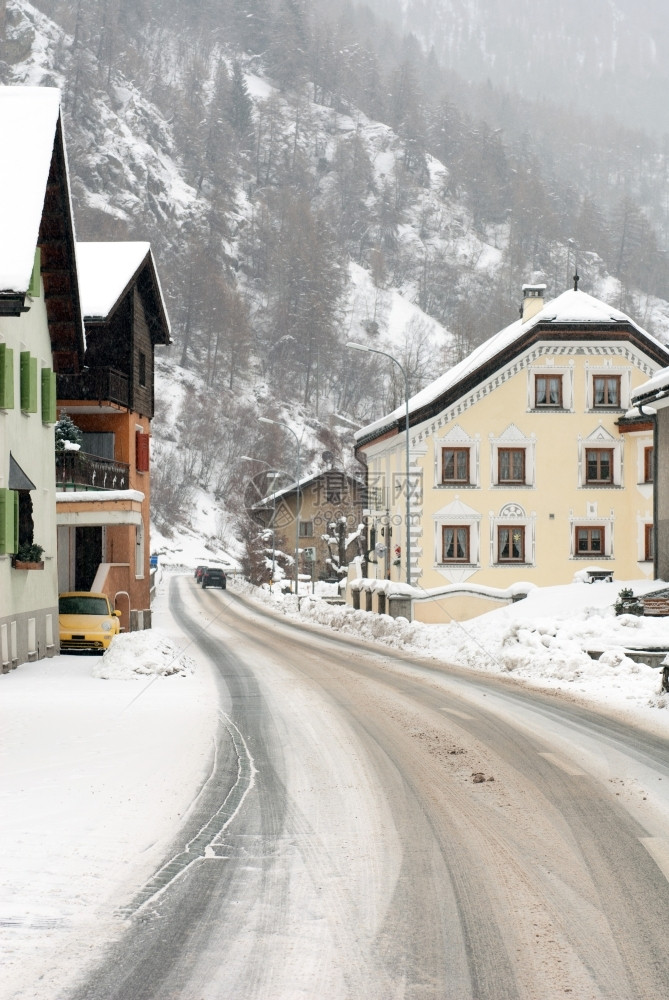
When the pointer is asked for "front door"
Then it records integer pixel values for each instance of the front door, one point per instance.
(88, 556)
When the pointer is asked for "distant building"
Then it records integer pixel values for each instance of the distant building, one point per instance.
(525, 464)
(330, 506)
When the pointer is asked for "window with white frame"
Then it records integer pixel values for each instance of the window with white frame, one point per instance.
(512, 536)
(600, 460)
(649, 542)
(455, 543)
(550, 388)
(589, 540)
(456, 535)
(607, 388)
(512, 459)
(456, 459)
(455, 466)
(510, 543)
(548, 392)
(591, 536)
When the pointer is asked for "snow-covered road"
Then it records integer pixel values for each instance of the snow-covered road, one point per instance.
(396, 831)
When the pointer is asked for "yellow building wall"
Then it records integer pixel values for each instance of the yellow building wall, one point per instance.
(501, 412)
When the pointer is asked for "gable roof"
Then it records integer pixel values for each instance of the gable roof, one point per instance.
(572, 315)
(293, 487)
(36, 210)
(28, 121)
(106, 272)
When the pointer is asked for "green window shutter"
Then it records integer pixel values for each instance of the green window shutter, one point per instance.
(28, 382)
(35, 287)
(48, 396)
(6, 377)
(9, 517)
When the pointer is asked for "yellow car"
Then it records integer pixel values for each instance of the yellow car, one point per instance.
(86, 621)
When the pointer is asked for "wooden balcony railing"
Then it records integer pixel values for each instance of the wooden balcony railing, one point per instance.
(99, 384)
(76, 468)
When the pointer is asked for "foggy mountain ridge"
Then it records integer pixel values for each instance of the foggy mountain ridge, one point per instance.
(609, 54)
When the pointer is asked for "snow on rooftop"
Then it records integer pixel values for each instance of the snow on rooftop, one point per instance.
(28, 120)
(570, 307)
(658, 383)
(105, 269)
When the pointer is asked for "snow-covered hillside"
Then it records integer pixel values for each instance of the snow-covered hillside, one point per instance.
(286, 221)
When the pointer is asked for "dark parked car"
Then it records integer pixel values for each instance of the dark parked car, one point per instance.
(213, 577)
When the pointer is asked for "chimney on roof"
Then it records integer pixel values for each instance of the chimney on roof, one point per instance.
(533, 301)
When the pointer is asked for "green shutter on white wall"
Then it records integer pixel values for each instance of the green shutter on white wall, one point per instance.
(48, 396)
(6, 377)
(35, 286)
(28, 382)
(9, 520)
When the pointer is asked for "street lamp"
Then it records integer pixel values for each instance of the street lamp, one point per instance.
(373, 350)
(279, 423)
(274, 473)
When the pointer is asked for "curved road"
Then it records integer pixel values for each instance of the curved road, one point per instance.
(377, 828)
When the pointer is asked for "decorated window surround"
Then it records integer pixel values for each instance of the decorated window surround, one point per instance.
(458, 514)
(513, 438)
(512, 515)
(600, 439)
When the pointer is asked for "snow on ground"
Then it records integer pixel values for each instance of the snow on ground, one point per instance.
(102, 757)
(100, 760)
(542, 640)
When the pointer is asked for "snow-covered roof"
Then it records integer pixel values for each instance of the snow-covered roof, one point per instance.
(28, 121)
(105, 270)
(654, 389)
(571, 308)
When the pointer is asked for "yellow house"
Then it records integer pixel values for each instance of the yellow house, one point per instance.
(526, 462)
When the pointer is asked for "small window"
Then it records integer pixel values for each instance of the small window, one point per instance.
(606, 391)
(306, 529)
(548, 391)
(511, 544)
(589, 541)
(511, 465)
(142, 368)
(455, 465)
(599, 465)
(649, 542)
(648, 465)
(455, 543)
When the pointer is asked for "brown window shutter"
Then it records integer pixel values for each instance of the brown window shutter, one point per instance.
(142, 452)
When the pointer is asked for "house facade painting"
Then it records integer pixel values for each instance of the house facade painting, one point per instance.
(103, 508)
(526, 463)
(39, 314)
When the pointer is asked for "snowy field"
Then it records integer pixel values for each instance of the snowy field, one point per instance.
(102, 757)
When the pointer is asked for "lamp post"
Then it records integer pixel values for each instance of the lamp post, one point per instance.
(279, 423)
(274, 473)
(374, 350)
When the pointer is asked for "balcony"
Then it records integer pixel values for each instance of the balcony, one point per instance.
(76, 469)
(98, 384)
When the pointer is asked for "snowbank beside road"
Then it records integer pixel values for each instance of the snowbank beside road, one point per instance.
(543, 640)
